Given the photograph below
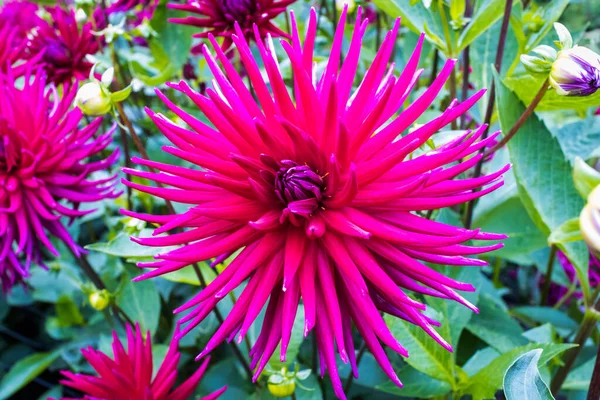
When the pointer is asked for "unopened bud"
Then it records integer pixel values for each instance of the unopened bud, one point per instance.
(589, 221)
(576, 72)
(99, 299)
(93, 100)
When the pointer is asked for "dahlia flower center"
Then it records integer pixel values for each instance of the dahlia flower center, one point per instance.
(57, 54)
(238, 10)
(295, 182)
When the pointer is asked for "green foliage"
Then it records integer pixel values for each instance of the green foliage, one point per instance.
(523, 380)
(24, 371)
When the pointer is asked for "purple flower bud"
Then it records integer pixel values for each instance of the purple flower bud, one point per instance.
(576, 72)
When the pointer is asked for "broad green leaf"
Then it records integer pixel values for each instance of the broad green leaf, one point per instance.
(416, 384)
(488, 12)
(480, 360)
(523, 381)
(580, 138)
(579, 378)
(543, 176)
(541, 334)
(567, 232)
(494, 326)
(141, 302)
(546, 315)
(426, 355)
(67, 312)
(175, 39)
(123, 246)
(527, 86)
(24, 371)
(485, 383)
(585, 177)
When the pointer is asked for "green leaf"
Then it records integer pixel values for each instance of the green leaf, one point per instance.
(485, 16)
(175, 39)
(457, 9)
(24, 371)
(68, 313)
(523, 381)
(551, 13)
(543, 177)
(585, 177)
(416, 384)
(579, 378)
(527, 86)
(557, 318)
(485, 383)
(567, 232)
(123, 94)
(141, 302)
(426, 355)
(414, 17)
(123, 246)
(580, 138)
(494, 326)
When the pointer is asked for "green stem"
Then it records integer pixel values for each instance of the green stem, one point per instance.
(445, 25)
(549, 270)
(350, 379)
(586, 328)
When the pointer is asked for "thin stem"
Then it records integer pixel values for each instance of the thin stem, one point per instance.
(466, 68)
(490, 105)
(549, 270)
(293, 396)
(361, 353)
(434, 66)
(585, 330)
(522, 119)
(454, 123)
(217, 313)
(445, 25)
(594, 392)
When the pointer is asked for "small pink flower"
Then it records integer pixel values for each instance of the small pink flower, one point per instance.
(219, 17)
(129, 375)
(317, 195)
(42, 167)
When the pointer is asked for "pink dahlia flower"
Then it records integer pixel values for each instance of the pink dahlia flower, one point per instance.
(64, 46)
(316, 194)
(219, 17)
(42, 168)
(129, 376)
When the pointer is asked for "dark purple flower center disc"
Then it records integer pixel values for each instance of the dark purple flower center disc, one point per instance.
(57, 54)
(295, 182)
(238, 10)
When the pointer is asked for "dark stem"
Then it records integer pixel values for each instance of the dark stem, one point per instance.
(139, 146)
(490, 105)
(466, 68)
(454, 124)
(585, 330)
(434, 66)
(293, 396)
(234, 345)
(549, 269)
(378, 32)
(522, 119)
(361, 353)
(594, 392)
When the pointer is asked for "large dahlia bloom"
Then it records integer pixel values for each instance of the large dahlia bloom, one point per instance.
(317, 194)
(129, 376)
(43, 167)
(64, 46)
(219, 17)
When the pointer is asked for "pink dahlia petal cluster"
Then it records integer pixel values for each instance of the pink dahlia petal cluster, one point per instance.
(129, 375)
(317, 195)
(219, 18)
(64, 46)
(21, 16)
(43, 168)
(17, 19)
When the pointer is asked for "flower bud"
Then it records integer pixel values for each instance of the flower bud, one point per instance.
(93, 100)
(284, 389)
(576, 72)
(589, 221)
(339, 4)
(99, 299)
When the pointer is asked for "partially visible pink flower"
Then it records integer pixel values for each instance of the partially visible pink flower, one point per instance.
(43, 168)
(129, 374)
(219, 18)
(142, 9)
(64, 46)
(557, 291)
(318, 195)
(13, 52)
(21, 16)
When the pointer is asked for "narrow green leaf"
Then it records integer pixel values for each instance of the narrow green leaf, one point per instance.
(67, 312)
(523, 381)
(24, 371)
(486, 15)
(123, 94)
(414, 17)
